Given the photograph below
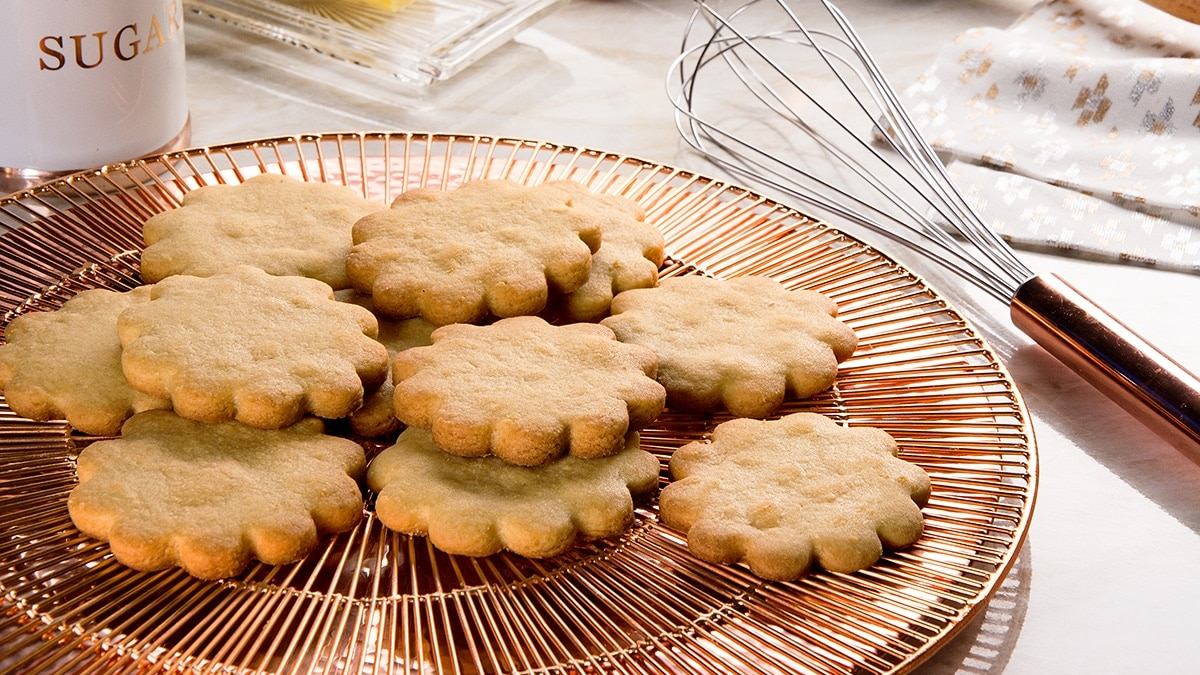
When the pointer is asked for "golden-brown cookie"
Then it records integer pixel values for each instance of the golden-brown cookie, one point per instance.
(274, 222)
(242, 344)
(741, 344)
(377, 416)
(477, 506)
(629, 256)
(780, 495)
(527, 391)
(489, 247)
(210, 497)
(67, 364)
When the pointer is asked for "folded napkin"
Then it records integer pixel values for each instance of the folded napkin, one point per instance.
(1077, 129)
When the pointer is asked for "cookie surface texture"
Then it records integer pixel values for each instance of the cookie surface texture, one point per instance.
(245, 345)
(527, 391)
(274, 222)
(629, 256)
(481, 505)
(742, 344)
(784, 494)
(66, 363)
(211, 497)
(489, 247)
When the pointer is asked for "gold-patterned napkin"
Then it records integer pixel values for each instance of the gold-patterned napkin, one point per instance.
(1077, 129)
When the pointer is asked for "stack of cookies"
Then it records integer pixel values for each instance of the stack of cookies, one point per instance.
(508, 341)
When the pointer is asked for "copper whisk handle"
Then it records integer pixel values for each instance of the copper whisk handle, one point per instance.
(1162, 394)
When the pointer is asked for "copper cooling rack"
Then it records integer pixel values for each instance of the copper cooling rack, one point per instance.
(371, 601)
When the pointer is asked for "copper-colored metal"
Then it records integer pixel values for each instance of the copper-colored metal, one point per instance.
(372, 601)
(1120, 363)
(1188, 10)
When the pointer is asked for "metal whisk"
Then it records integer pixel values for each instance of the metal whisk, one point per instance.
(822, 125)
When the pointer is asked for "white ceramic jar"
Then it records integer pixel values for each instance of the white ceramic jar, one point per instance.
(87, 83)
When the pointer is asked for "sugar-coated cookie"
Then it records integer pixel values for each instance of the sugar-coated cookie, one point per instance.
(489, 247)
(527, 391)
(740, 344)
(783, 494)
(477, 506)
(242, 344)
(210, 497)
(66, 363)
(274, 222)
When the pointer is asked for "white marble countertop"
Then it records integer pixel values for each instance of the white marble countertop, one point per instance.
(1109, 580)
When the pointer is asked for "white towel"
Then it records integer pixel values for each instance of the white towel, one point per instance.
(1076, 129)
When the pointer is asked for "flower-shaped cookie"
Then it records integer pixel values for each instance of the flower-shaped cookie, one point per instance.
(209, 497)
(526, 390)
(489, 247)
(741, 344)
(629, 255)
(242, 344)
(276, 223)
(782, 494)
(67, 363)
(377, 416)
(477, 506)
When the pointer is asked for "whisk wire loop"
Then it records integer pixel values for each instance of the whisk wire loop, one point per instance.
(911, 199)
(873, 169)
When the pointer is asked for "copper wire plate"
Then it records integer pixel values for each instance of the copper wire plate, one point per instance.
(371, 601)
